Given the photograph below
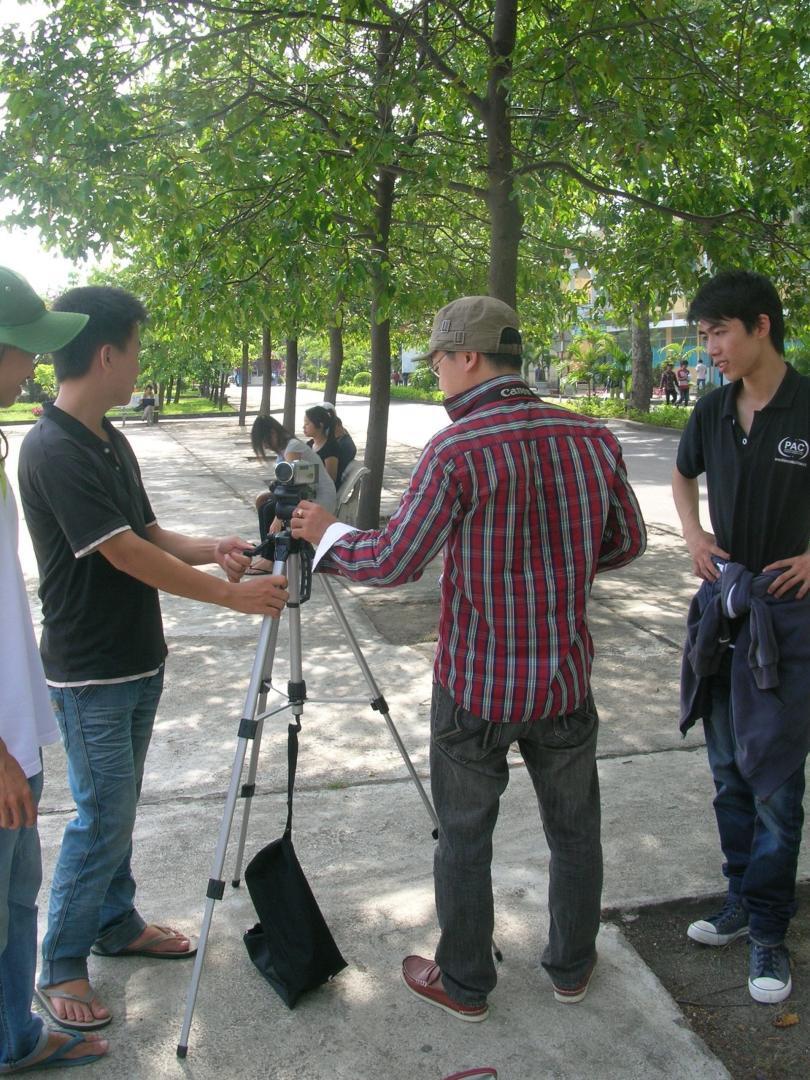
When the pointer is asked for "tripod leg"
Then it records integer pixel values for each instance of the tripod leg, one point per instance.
(291, 568)
(216, 886)
(379, 704)
(249, 787)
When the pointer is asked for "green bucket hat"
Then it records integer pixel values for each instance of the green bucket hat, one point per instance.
(25, 322)
(473, 324)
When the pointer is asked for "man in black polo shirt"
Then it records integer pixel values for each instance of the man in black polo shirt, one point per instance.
(102, 558)
(746, 668)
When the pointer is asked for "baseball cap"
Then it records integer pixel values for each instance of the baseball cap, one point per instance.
(474, 324)
(25, 322)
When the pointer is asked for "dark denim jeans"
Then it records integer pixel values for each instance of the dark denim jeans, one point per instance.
(760, 838)
(469, 772)
(22, 1034)
(106, 732)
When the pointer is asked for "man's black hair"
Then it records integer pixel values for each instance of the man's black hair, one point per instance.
(510, 361)
(114, 315)
(743, 295)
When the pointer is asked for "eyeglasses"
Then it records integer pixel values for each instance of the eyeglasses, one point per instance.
(434, 363)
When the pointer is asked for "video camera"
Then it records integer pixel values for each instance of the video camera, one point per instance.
(294, 481)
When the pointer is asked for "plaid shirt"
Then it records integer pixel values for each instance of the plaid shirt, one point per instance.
(528, 501)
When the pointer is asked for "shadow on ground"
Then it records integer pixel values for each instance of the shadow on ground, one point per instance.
(710, 986)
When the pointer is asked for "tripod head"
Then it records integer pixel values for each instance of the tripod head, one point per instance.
(294, 481)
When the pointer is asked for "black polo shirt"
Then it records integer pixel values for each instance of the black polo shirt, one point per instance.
(77, 491)
(758, 484)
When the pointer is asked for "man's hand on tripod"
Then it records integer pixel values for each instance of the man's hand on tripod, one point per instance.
(265, 594)
(230, 555)
(310, 521)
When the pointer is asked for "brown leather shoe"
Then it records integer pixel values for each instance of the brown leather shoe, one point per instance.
(424, 978)
(570, 995)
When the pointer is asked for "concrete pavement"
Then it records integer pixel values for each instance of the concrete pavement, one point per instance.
(362, 833)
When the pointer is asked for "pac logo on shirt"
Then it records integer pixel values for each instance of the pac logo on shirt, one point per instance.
(793, 451)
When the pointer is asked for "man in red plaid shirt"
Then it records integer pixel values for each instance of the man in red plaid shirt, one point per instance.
(527, 502)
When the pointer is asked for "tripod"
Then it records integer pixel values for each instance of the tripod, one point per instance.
(292, 558)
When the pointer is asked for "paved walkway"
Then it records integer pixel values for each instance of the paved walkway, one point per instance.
(363, 836)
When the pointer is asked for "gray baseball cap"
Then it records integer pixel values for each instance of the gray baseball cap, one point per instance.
(25, 322)
(474, 324)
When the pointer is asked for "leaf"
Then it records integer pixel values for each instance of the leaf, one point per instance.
(786, 1020)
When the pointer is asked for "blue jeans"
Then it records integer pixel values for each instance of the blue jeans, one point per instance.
(106, 732)
(22, 1034)
(468, 774)
(760, 838)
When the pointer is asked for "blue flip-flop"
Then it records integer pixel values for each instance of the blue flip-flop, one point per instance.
(57, 1059)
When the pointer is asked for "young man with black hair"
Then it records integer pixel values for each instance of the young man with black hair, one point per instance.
(746, 669)
(527, 502)
(102, 558)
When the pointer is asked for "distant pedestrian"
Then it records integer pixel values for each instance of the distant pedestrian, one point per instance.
(746, 668)
(669, 384)
(682, 379)
(701, 372)
(526, 502)
(396, 378)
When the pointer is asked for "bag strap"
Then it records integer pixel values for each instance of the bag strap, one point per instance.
(292, 762)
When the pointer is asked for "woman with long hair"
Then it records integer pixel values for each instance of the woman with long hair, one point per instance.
(267, 434)
(319, 429)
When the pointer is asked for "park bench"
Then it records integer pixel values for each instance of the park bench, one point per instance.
(348, 494)
(131, 410)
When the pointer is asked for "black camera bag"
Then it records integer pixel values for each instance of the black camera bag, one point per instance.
(291, 945)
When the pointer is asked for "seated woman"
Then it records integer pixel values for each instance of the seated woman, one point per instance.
(147, 403)
(347, 451)
(318, 427)
(268, 434)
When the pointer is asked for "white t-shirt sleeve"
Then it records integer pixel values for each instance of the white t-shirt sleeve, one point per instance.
(26, 715)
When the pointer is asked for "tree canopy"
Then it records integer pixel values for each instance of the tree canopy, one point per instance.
(353, 164)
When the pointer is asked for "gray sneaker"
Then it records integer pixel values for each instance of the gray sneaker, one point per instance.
(769, 973)
(721, 929)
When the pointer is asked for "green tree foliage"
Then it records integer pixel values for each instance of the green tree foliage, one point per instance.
(351, 165)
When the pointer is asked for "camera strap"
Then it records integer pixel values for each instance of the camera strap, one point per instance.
(292, 762)
(515, 392)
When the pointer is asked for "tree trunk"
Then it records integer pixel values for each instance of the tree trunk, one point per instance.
(291, 383)
(368, 512)
(169, 389)
(267, 371)
(244, 378)
(335, 363)
(177, 389)
(641, 349)
(506, 218)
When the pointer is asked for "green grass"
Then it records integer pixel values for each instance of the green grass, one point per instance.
(670, 416)
(398, 393)
(189, 405)
(19, 411)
